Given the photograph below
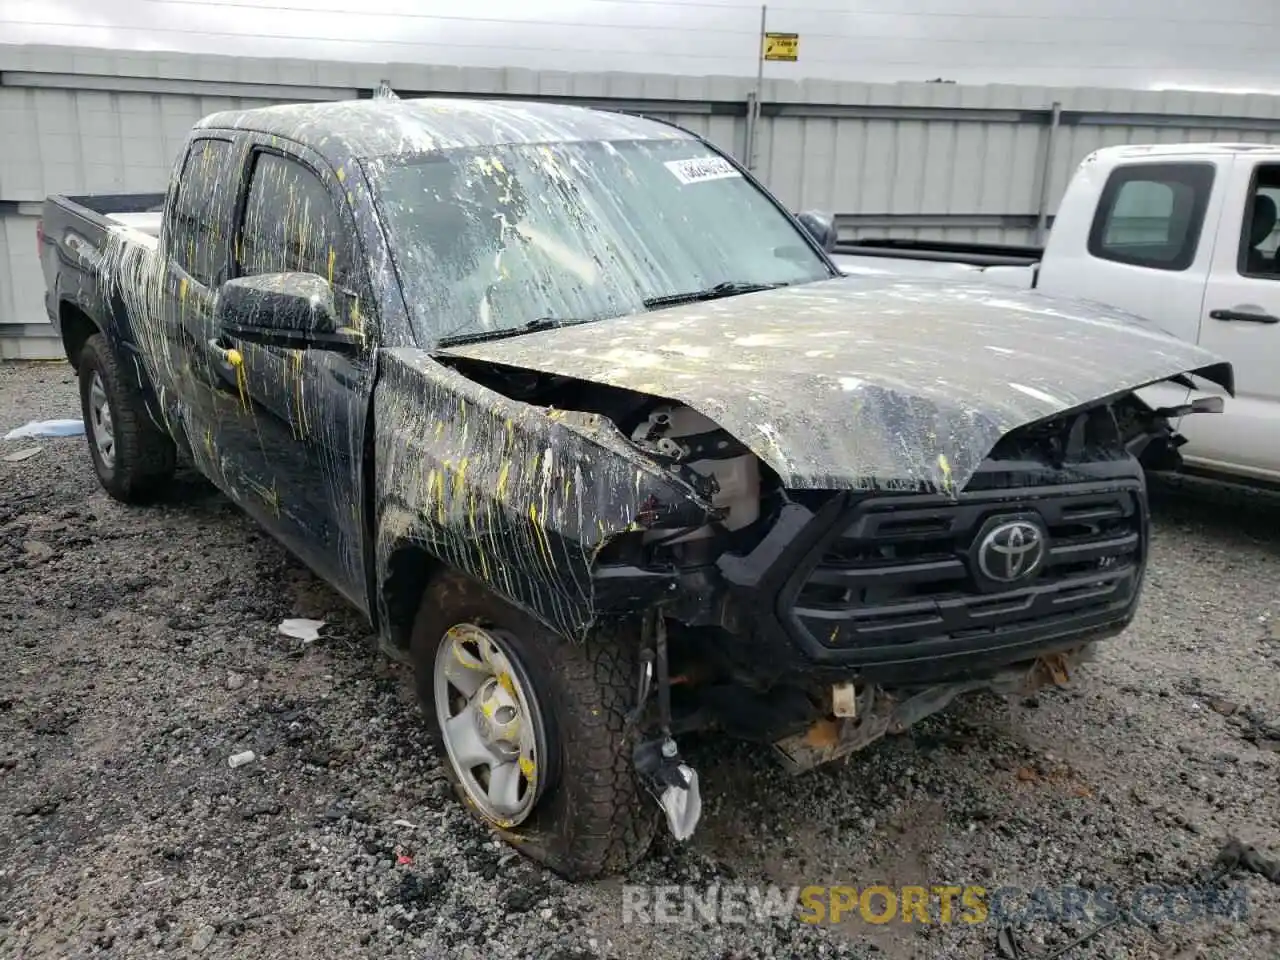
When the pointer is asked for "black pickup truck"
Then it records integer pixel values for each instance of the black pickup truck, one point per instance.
(601, 441)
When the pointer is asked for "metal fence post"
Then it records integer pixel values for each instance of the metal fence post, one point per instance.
(753, 99)
(1046, 173)
(749, 144)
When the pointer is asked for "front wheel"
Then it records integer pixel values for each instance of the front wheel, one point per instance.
(132, 457)
(530, 729)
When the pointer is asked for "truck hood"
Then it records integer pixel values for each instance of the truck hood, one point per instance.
(859, 383)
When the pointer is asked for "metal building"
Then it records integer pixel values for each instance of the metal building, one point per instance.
(920, 159)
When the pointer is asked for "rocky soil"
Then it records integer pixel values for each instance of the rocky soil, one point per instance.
(139, 651)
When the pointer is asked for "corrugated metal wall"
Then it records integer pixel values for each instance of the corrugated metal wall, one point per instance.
(927, 160)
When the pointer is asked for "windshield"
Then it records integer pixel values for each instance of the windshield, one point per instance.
(495, 238)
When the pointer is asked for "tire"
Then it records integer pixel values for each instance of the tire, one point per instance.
(590, 814)
(141, 459)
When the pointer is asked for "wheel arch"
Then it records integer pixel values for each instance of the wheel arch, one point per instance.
(405, 575)
(77, 327)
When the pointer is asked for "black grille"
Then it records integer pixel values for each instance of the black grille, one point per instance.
(901, 572)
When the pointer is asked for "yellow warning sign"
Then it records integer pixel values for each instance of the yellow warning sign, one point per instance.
(782, 46)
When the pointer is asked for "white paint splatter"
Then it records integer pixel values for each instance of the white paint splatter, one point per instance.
(1037, 394)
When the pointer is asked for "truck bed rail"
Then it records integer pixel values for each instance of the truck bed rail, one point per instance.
(973, 254)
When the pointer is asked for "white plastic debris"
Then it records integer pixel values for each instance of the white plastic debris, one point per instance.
(46, 428)
(683, 807)
(240, 759)
(26, 453)
(307, 631)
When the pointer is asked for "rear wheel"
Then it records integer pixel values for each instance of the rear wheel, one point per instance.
(530, 729)
(132, 457)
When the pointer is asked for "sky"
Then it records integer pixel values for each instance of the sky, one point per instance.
(1225, 45)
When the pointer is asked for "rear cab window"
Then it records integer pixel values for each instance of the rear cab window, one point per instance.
(199, 225)
(1151, 215)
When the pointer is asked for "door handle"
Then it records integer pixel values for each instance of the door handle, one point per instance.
(233, 378)
(1243, 316)
(230, 357)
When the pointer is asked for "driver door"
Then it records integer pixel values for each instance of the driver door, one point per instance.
(1240, 322)
(307, 409)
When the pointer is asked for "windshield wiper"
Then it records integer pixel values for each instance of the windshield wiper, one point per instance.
(542, 323)
(729, 288)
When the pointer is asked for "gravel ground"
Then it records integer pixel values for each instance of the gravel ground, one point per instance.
(138, 652)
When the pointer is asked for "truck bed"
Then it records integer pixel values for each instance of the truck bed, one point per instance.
(138, 211)
(74, 232)
(972, 254)
(1008, 265)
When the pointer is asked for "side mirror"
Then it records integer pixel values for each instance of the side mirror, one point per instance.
(820, 227)
(291, 310)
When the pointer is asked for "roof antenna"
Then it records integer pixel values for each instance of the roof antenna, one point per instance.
(384, 92)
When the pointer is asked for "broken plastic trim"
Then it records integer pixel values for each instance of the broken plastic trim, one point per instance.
(1199, 405)
(880, 713)
(672, 782)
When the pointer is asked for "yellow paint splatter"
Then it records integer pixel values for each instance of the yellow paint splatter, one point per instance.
(299, 376)
(539, 534)
(504, 680)
(945, 466)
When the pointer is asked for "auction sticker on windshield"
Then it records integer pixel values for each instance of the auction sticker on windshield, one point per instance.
(697, 169)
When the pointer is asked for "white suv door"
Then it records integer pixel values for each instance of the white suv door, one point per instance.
(1240, 322)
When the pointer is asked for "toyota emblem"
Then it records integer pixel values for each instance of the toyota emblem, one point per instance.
(1011, 551)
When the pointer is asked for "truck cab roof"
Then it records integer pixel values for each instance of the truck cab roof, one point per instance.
(1177, 151)
(368, 129)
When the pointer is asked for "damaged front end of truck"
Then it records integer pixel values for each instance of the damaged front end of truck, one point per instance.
(834, 508)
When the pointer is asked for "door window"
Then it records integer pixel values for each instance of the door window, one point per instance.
(198, 227)
(1260, 235)
(291, 224)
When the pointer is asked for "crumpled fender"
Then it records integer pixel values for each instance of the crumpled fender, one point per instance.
(518, 497)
